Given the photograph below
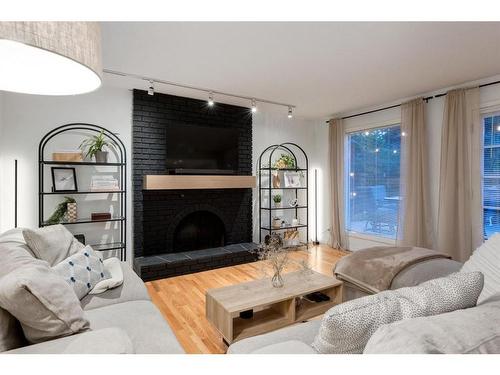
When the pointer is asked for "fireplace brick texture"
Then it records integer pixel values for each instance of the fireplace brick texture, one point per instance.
(157, 212)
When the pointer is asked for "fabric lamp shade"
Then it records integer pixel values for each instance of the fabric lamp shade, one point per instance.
(50, 58)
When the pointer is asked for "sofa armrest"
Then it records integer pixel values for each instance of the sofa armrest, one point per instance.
(102, 341)
(424, 271)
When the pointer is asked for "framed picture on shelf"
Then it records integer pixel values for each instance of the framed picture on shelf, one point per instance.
(63, 180)
(292, 179)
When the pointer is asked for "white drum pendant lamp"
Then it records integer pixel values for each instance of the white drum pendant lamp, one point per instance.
(50, 58)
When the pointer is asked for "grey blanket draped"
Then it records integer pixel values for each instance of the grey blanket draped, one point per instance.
(374, 268)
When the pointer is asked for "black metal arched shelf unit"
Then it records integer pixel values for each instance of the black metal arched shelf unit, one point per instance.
(266, 211)
(121, 163)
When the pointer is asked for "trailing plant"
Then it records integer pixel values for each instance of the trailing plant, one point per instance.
(61, 209)
(285, 162)
(95, 143)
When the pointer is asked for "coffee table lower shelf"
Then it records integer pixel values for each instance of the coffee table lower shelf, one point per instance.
(270, 308)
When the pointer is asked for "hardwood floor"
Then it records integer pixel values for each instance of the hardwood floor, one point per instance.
(181, 299)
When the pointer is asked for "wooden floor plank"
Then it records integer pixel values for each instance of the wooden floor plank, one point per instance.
(181, 299)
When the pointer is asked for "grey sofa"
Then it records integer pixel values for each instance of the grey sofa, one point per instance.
(122, 320)
(475, 330)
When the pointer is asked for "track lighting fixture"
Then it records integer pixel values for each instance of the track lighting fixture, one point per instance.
(211, 99)
(151, 88)
(254, 106)
(290, 115)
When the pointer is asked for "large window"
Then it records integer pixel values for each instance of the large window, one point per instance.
(372, 175)
(491, 174)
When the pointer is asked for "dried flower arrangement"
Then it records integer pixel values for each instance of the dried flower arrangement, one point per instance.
(276, 258)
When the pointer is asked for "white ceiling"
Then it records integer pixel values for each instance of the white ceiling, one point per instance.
(322, 68)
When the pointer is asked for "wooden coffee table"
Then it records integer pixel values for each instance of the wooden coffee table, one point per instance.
(272, 308)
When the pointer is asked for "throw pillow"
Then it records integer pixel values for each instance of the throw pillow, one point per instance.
(82, 271)
(52, 244)
(346, 328)
(111, 265)
(13, 256)
(486, 259)
(469, 331)
(43, 302)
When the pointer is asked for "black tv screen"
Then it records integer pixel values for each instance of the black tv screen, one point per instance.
(201, 147)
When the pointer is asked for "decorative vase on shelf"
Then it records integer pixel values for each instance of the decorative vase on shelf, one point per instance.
(276, 180)
(101, 156)
(276, 223)
(71, 214)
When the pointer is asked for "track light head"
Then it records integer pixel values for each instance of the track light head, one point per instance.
(211, 99)
(254, 106)
(151, 88)
(290, 114)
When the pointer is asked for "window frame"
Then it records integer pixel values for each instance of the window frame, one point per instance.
(348, 130)
(488, 111)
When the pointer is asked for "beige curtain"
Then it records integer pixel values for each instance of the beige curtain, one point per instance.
(460, 200)
(415, 223)
(336, 153)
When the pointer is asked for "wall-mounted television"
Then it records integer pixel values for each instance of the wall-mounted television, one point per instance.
(195, 149)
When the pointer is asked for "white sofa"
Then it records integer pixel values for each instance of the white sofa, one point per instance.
(122, 320)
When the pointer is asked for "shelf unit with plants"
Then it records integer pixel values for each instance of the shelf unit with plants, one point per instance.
(98, 138)
(273, 164)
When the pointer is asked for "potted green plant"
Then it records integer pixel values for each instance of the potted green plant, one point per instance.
(277, 200)
(285, 162)
(60, 211)
(95, 145)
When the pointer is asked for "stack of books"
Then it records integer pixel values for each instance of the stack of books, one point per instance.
(104, 183)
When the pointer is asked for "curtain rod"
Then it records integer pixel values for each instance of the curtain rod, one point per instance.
(398, 105)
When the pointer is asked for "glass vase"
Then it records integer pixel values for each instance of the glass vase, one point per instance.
(277, 280)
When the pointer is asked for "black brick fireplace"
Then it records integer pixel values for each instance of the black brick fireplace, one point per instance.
(185, 231)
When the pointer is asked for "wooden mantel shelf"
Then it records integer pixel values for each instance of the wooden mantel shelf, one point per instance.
(178, 182)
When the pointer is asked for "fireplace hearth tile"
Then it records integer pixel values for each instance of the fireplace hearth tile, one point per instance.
(207, 253)
(175, 264)
(174, 257)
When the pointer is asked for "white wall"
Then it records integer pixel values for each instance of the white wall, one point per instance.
(26, 119)
(312, 135)
(490, 100)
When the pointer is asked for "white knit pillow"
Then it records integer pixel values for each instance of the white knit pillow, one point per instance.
(346, 328)
(486, 259)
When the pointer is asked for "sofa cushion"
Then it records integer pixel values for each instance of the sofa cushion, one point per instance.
(486, 259)
(286, 347)
(82, 271)
(423, 271)
(43, 302)
(52, 244)
(142, 322)
(346, 328)
(14, 238)
(132, 289)
(303, 332)
(475, 330)
(102, 341)
(11, 334)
